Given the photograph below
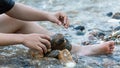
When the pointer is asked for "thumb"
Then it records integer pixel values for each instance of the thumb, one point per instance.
(56, 21)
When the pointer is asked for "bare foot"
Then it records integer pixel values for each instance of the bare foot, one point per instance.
(104, 48)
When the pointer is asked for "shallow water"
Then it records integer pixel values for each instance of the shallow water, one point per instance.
(88, 13)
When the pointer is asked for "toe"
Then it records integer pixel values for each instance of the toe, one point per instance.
(112, 47)
(110, 51)
(112, 43)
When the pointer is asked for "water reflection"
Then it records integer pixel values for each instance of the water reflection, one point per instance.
(88, 13)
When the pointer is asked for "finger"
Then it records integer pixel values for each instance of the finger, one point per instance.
(61, 17)
(45, 37)
(39, 49)
(65, 20)
(67, 25)
(43, 48)
(68, 22)
(111, 49)
(46, 43)
(58, 22)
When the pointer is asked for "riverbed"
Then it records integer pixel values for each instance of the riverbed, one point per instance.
(92, 14)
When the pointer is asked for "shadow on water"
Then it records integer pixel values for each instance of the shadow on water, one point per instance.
(88, 13)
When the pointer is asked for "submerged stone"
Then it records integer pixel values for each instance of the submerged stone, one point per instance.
(116, 33)
(109, 14)
(116, 15)
(86, 43)
(117, 28)
(101, 35)
(80, 28)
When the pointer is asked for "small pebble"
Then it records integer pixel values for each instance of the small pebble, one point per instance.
(85, 43)
(101, 34)
(117, 28)
(116, 16)
(80, 28)
(109, 14)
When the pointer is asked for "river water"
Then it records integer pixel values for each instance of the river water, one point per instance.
(92, 14)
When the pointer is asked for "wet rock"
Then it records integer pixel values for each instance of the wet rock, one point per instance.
(47, 62)
(117, 28)
(59, 42)
(116, 15)
(115, 34)
(86, 43)
(65, 57)
(101, 35)
(109, 14)
(91, 37)
(25, 64)
(81, 28)
(53, 54)
(107, 39)
(96, 34)
(34, 54)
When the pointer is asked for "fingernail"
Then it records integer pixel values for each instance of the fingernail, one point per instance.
(66, 26)
(59, 23)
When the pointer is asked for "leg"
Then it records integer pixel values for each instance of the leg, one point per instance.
(8, 24)
(104, 48)
(11, 25)
(31, 27)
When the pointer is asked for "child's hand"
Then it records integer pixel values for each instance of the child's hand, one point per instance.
(59, 18)
(38, 42)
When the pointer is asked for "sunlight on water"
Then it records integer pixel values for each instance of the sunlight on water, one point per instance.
(88, 13)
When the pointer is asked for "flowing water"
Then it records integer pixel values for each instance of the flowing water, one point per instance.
(92, 14)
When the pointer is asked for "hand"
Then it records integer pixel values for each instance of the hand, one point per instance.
(38, 42)
(59, 18)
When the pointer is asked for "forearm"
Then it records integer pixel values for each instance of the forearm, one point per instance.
(23, 12)
(10, 39)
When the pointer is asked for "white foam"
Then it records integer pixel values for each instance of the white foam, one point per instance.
(70, 65)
